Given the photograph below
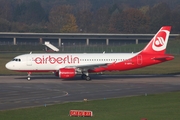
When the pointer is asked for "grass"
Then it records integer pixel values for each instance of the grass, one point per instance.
(4, 58)
(153, 107)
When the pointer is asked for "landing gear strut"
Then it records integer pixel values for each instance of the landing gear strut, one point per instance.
(29, 76)
(86, 77)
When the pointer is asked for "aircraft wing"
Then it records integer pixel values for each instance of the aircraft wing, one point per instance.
(90, 66)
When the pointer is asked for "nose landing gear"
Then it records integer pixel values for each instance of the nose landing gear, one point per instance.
(29, 76)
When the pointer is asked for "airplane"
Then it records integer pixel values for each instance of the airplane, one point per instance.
(68, 65)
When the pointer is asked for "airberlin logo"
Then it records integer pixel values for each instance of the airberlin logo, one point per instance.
(69, 59)
(160, 40)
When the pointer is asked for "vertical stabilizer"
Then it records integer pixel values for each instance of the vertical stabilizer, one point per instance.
(159, 42)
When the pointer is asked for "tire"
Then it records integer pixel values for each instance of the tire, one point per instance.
(88, 78)
(28, 78)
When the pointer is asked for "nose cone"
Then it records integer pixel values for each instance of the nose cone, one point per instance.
(9, 66)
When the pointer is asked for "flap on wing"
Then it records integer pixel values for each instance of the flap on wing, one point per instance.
(90, 66)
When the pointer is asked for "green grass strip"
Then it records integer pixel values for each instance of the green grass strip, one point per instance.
(153, 107)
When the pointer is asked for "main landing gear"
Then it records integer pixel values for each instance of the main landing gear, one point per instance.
(29, 76)
(86, 77)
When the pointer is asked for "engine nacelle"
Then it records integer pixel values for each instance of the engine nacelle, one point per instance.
(65, 73)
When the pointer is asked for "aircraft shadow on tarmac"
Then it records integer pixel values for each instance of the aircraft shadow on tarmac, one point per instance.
(93, 76)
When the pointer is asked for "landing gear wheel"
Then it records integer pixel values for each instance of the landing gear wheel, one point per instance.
(88, 78)
(28, 78)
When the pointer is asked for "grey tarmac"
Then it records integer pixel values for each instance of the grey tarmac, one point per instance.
(16, 92)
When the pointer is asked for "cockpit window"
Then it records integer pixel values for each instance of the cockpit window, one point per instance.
(16, 59)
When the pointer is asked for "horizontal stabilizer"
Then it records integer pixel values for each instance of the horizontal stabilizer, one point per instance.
(164, 58)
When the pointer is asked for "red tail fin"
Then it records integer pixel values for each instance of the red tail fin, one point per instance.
(159, 42)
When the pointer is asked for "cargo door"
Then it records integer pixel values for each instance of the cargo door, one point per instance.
(139, 59)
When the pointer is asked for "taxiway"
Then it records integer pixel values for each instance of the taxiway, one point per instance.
(17, 92)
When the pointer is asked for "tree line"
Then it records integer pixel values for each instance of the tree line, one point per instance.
(89, 16)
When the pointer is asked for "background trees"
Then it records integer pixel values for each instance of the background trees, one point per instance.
(95, 16)
(59, 18)
(134, 21)
(100, 22)
(160, 14)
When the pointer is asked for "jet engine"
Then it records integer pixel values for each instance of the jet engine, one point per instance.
(66, 73)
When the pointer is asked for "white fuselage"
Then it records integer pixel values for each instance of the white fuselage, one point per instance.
(55, 61)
